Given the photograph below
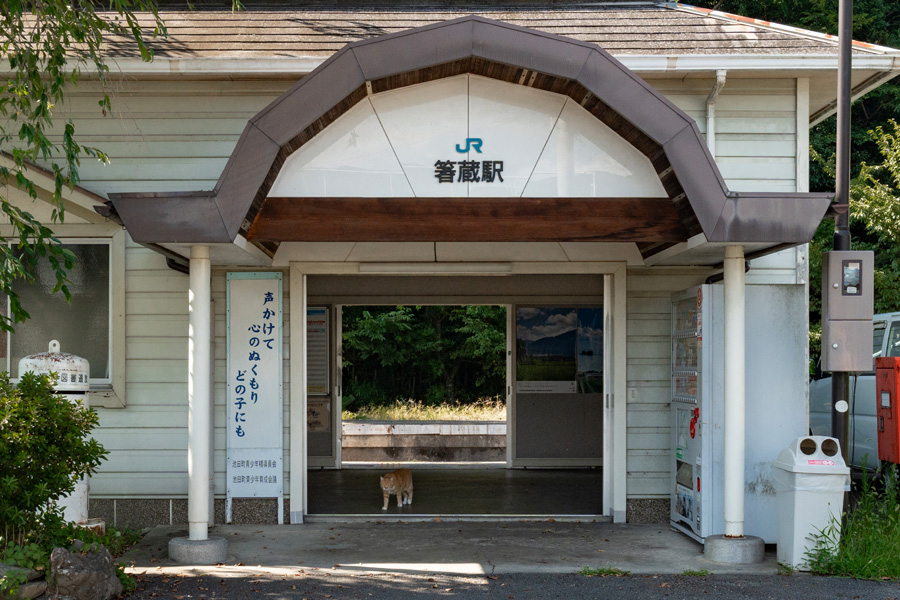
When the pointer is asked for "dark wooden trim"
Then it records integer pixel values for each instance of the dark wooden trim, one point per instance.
(467, 220)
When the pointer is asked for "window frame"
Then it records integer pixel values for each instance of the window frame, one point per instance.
(107, 392)
(894, 325)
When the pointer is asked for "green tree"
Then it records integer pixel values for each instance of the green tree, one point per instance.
(49, 45)
(874, 225)
(432, 354)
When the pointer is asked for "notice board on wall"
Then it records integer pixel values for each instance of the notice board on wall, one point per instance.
(254, 390)
(317, 363)
(559, 350)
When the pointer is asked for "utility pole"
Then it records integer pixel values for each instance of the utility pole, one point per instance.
(840, 381)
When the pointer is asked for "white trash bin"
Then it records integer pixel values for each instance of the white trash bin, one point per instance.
(73, 383)
(810, 479)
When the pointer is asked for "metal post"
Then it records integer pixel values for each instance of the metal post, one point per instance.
(735, 366)
(199, 414)
(840, 382)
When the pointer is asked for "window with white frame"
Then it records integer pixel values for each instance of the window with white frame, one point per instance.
(83, 326)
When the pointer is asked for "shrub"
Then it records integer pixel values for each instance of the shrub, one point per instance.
(44, 450)
(869, 545)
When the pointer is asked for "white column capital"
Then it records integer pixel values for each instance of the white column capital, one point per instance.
(732, 252)
(199, 252)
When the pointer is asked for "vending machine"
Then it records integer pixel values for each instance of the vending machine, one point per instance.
(775, 411)
(693, 411)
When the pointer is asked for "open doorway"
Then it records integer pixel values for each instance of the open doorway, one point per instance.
(424, 385)
(426, 389)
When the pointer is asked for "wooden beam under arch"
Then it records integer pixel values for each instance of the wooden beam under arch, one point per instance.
(467, 220)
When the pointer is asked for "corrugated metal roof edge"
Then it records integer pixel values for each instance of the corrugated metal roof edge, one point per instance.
(787, 29)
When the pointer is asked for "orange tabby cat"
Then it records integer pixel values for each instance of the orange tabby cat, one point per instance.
(398, 482)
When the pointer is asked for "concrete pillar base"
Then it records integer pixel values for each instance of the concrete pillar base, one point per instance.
(738, 551)
(210, 551)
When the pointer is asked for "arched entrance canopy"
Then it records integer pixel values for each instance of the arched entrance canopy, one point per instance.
(697, 201)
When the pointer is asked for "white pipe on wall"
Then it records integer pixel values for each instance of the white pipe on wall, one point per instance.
(734, 391)
(199, 413)
(711, 111)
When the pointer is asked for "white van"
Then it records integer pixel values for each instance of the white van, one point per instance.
(863, 435)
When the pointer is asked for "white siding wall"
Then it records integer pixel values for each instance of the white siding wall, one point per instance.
(649, 375)
(178, 135)
(164, 135)
(148, 440)
(756, 128)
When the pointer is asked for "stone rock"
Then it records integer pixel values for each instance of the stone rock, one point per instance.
(89, 576)
(31, 574)
(30, 590)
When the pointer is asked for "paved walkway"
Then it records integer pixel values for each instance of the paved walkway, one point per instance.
(392, 560)
(443, 546)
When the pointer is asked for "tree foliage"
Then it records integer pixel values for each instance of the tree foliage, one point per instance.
(874, 222)
(48, 46)
(433, 354)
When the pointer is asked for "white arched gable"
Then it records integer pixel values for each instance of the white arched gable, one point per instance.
(536, 143)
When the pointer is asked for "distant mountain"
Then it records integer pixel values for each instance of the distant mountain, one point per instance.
(560, 346)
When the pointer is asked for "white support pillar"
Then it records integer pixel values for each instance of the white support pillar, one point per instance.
(199, 413)
(734, 391)
(298, 453)
(615, 400)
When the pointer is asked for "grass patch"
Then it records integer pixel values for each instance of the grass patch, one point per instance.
(486, 409)
(693, 573)
(785, 569)
(870, 545)
(604, 572)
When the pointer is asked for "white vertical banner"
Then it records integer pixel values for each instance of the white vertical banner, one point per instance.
(254, 398)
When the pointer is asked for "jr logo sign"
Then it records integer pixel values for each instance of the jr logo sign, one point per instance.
(469, 171)
(471, 143)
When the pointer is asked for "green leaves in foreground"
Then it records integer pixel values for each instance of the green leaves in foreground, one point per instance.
(47, 44)
(870, 545)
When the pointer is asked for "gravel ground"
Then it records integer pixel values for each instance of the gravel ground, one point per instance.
(315, 584)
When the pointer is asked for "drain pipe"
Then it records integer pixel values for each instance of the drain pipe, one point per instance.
(711, 110)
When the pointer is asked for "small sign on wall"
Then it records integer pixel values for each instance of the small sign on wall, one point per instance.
(318, 415)
(317, 351)
(254, 403)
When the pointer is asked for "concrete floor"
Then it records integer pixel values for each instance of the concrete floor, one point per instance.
(423, 539)
(445, 492)
(440, 546)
